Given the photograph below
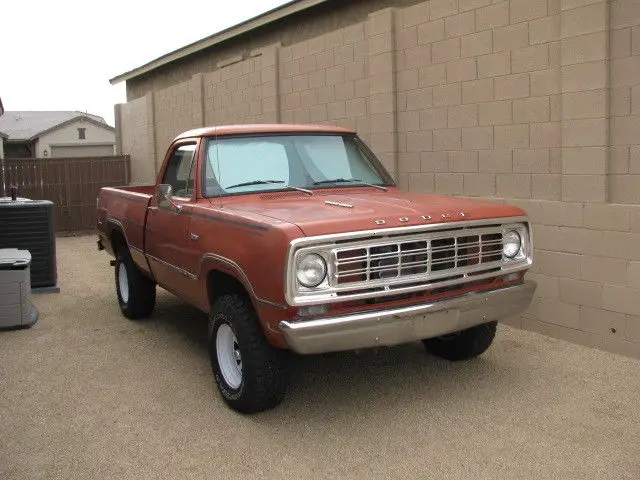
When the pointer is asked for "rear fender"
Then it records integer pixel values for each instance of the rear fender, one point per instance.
(118, 239)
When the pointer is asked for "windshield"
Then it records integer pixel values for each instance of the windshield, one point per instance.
(267, 163)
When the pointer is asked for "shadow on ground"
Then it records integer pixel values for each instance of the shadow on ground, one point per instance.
(371, 379)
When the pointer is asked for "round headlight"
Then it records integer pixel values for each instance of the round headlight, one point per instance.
(511, 244)
(311, 271)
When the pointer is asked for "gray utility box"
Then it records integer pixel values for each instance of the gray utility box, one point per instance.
(16, 309)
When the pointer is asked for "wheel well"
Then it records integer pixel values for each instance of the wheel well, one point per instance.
(118, 242)
(221, 283)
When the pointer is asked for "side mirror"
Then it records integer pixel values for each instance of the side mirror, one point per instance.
(165, 200)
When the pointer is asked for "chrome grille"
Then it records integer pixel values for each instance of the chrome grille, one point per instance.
(433, 256)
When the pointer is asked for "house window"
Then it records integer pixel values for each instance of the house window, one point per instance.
(82, 133)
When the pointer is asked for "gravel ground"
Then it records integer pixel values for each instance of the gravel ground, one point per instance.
(87, 394)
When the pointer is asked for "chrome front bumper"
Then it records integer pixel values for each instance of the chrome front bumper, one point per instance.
(407, 324)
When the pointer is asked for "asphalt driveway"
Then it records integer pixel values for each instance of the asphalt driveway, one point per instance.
(88, 394)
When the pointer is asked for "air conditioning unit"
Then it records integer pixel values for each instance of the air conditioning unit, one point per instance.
(28, 225)
(16, 309)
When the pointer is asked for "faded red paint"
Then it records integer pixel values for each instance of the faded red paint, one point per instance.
(261, 128)
(255, 230)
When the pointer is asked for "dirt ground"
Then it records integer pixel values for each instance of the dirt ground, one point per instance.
(86, 394)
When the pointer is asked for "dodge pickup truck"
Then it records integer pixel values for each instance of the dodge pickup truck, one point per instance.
(294, 237)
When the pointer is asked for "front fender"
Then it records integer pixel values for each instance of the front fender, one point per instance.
(270, 313)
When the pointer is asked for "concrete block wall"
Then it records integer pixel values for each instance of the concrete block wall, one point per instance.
(135, 136)
(324, 80)
(479, 98)
(176, 108)
(624, 101)
(242, 91)
(586, 266)
(586, 261)
(531, 102)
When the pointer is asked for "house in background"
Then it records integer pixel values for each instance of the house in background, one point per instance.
(55, 134)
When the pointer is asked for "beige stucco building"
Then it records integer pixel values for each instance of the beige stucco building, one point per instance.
(56, 134)
(64, 141)
(532, 102)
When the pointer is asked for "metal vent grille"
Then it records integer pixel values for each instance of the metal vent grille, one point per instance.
(29, 226)
(277, 195)
(325, 192)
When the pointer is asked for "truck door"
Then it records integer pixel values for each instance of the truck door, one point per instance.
(166, 238)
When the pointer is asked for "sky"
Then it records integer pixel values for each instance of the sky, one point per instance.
(60, 55)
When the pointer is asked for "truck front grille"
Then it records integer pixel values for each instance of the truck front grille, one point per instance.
(378, 265)
(441, 255)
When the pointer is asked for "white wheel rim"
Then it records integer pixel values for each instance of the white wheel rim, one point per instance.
(229, 358)
(123, 283)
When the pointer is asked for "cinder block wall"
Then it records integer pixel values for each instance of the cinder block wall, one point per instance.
(532, 102)
(324, 80)
(135, 135)
(243, 91)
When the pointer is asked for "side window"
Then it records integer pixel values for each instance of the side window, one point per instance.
(179, 171)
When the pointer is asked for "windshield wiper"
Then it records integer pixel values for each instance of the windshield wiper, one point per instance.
(254, 182)
(351, 180)
(269, 182)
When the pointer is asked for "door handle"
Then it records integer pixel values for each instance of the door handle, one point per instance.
(194, 236)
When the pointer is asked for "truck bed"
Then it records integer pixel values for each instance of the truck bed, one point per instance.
(144, 189)
(127, 208)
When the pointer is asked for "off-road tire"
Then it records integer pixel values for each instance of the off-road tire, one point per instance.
(140, 299)
(263, 374)
(463, 345)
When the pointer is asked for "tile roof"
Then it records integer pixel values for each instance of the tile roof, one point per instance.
(30, 125)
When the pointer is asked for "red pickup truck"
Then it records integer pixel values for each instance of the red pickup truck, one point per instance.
(295, 237)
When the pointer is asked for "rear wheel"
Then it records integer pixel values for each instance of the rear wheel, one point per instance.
(463, 345)
(136, 293)
(250, 374)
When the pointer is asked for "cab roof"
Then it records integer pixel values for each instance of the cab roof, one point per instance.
(262, 128)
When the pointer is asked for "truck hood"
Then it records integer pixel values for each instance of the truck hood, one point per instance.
(363, 209)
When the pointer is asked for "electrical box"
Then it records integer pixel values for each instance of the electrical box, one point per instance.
(16, 309)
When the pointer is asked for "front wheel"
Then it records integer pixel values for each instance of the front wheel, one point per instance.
(136, 293)
(250, 374)
(463, 345)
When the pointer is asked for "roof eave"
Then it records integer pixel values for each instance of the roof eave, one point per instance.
(271, 16)
(71, 120)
